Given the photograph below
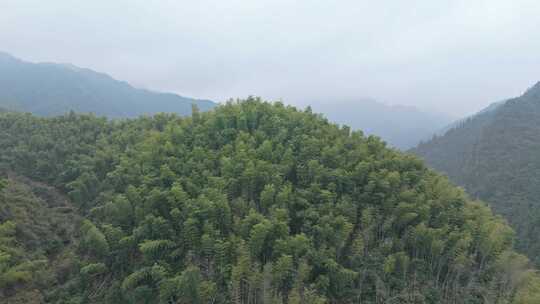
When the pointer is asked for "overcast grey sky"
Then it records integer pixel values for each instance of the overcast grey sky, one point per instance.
(450, 56)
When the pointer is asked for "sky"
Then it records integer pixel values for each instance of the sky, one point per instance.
(452, 57)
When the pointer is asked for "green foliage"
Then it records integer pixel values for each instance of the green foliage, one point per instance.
(261, 203)
(35, 235)
(188, 288)
(155, 249)
(15, 269)
(283, 272)
(494, 155)
(93, 269)
(3, 184)
(93, 241)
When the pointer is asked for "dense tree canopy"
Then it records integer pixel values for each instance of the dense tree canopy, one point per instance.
(37, 232)
(258, 202)
(494, 156)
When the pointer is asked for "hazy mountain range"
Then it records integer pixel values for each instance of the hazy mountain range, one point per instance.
(191, 210)
(51, 89)
(402, 127)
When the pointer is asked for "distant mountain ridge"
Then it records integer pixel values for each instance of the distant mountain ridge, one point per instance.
(495, 155)
(489, 109)
(400, 126)
(49, 89)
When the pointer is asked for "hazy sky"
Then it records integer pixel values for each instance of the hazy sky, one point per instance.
(451, 56)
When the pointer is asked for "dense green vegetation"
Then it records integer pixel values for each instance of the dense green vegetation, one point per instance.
(494, 156)
(37, 240)
(53, 89)
(258, 203)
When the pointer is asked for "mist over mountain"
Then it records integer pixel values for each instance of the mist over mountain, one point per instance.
(400, 126)
(51, 89)
(489, 109)
(495, 155)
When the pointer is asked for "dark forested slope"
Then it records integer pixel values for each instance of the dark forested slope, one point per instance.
(53, 89)
(260, 203)
(496, 157)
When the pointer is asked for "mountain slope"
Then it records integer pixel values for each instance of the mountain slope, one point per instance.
(492, 107)
(496, 157)
(261, 203)
(38, 229)
(52, 89)
(401, 126)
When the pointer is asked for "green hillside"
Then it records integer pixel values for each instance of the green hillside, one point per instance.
(50, 89)
(38, 239)
(496, 157)
(258, 202)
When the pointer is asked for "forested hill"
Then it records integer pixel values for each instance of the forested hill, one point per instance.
(52, 89)
(252, 202)
(496, 157)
